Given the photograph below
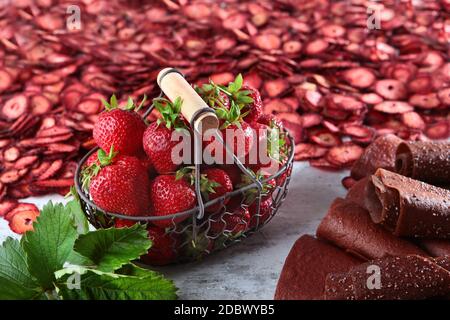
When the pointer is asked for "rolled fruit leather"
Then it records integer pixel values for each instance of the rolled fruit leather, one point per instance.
(426, 161)
(306, 267)
(379, 154)
(436, 247)
(349, 227)
(400, 278)
(408, 207)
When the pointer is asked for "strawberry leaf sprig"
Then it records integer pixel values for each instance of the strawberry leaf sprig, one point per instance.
(170, 113)
(207, 186)
(104, 159)
(130, 106)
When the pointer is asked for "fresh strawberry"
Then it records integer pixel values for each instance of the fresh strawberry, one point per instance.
(164, 247)
(231, 224)
(265, 211)
(170, 195)
(147, 163)
(214, 183)
(233, 172)
(157, 138)
(22, 220)
(123, 223)
(120, 128)
(119, 184)
(253, 109)
(93, 158)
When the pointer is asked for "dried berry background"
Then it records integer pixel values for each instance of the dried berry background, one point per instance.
(332, 81)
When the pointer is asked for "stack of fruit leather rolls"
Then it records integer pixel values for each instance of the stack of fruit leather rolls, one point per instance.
(398, 224)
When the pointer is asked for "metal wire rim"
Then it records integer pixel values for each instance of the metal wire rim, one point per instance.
(192, 211)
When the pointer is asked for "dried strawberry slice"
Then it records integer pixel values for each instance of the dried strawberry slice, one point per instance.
(425, 101)
(391, 89)
(311, 120)
(40, 105)
(440, 130)
(7, 206)
(6, 80)
(344, 155)
(359, 77)
(11, 154)
(323, 163)
(276, 87)
(393, 107)
(54, 183)
(306, 151)
(22, 221)
(444, 96)
(316, 47)
(25, 162)
(325, 138)
(358, 131)
(10, 176)
(51, 170)
(413, 120)
(15, 107)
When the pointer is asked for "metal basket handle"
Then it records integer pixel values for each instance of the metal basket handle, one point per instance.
(194, 109)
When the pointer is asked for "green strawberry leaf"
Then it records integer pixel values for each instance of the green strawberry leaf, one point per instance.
(51, 242)
(16, 283)
(109, 249)
(91, 284)
(80, 220)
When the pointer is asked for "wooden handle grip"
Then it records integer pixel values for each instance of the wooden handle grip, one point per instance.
(194, 109)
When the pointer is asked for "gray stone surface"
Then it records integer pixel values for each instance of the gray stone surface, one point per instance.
(250, 270)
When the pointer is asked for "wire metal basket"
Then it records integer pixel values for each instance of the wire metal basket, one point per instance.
(195, 233)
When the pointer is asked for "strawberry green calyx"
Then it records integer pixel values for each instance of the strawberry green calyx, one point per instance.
(170, 113)
(131, 106)
(92, 170)
(206, 186)
(251, 194)
(226, 98)
(231, 116)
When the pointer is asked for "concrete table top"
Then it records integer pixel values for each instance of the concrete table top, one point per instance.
(250, 270)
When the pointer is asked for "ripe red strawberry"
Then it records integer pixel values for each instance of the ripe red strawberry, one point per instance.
(157, 139)
(199, 247)
(120, 184)
(217, 183)
(232, 224)
(270, 120)
(254, 109)
(147, 163)
(120, 128)
(170, 195)
(22, 220)
(164, 249)
(265, 211)
(233, 172)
